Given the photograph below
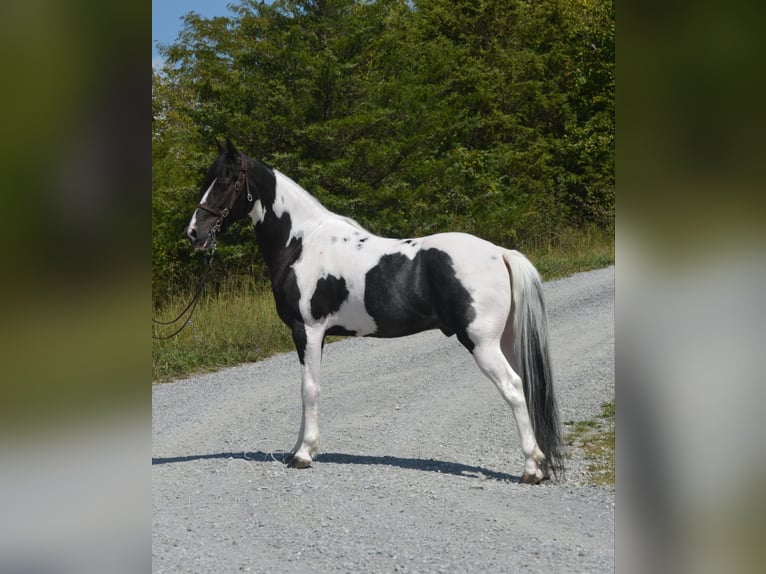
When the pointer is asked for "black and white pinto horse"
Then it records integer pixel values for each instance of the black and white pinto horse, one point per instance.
(330, 276)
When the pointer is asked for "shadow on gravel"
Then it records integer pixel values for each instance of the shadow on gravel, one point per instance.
(430, 465)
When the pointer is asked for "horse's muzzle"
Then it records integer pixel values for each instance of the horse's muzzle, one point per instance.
(205, 242)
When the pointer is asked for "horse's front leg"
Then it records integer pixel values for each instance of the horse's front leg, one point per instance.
(308, 342)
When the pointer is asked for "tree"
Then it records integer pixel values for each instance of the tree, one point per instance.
(413, 117)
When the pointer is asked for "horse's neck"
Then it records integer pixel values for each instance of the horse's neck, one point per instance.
(284, 215)
(304, 209)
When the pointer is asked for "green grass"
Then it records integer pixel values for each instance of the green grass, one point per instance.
(573, 251)
(595, 439)
(239, 324)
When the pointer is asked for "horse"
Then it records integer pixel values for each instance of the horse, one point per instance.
(330, 276)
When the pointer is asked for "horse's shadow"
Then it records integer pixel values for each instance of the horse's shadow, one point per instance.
(428, 465)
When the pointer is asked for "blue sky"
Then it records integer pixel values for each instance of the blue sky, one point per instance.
(166, 18)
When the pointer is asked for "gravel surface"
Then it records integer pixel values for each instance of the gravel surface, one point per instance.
(419, 462)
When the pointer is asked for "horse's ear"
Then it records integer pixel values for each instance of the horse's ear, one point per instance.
(230, 149)
(220, 147)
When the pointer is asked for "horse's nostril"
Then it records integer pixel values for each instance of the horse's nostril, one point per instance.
(191, 233)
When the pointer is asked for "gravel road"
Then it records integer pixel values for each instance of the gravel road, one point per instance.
(419, 462)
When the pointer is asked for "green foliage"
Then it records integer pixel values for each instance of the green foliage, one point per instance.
(235, 324)
(495, 118)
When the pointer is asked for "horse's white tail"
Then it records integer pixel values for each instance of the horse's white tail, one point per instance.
(532, 359)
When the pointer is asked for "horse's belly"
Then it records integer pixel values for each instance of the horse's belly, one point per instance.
(401, 321)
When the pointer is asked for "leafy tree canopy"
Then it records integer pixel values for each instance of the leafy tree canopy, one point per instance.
(413, 117)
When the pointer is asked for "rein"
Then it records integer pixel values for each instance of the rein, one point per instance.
(234, 192)
(192, 304)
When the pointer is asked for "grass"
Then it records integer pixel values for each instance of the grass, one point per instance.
(573, 251)
(595, 439)
(239, 324)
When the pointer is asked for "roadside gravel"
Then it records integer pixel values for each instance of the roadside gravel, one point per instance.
(419, 465)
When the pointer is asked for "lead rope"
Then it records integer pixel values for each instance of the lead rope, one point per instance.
(193, 303)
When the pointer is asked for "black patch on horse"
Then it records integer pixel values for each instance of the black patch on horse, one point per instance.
(329, 295)
(272, 234)
(300, 340)
(287, 295)
(406, 296)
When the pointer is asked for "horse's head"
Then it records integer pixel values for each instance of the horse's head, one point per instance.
(226, 195)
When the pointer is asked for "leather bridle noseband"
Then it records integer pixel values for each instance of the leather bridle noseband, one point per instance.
(234, 191)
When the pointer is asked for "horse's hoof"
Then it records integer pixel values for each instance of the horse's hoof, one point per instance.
(527, 478)
(293, 461)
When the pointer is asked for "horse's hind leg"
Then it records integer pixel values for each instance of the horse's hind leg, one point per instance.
(309, 344)
(492, 362)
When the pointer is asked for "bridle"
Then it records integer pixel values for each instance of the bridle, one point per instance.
(233, 192)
